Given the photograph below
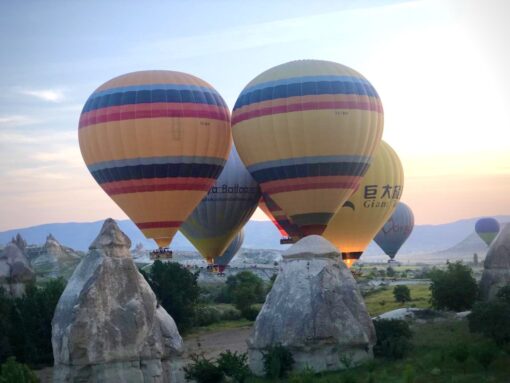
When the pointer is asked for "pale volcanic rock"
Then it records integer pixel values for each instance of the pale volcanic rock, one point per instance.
(315, 310)
(108, 326)
(496, 273)
(15, 270)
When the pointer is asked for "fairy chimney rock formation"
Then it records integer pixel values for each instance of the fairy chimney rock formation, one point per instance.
(108, 326)
(315, 310)
(496, 273)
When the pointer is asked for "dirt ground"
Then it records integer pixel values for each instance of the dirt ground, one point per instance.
(211, 344)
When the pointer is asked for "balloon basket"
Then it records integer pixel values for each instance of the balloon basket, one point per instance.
(286, 241)
(216, 269)
(161, 253)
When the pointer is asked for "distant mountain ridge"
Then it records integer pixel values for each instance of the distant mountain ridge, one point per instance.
(425, 239)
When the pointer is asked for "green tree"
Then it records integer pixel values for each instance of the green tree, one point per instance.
(6, 306)
(31, 318)
(492, 319)
(14, 372)
(402, 293)
(177, 291)
(246, 289)
(453, 289)
(393, 338)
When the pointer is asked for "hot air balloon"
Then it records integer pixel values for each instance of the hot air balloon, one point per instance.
(487, 229)
(221, 262)
(365, 212)
(155, 141)
(306, 131)
(396, 230)
(287, 229)
(224, 210)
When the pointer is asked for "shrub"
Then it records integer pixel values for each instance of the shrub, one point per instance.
(278, 361)
(307, 375)
(177, 291)
(503, 294)
(485, 354)
(234, 365)
(492, 319)
(250, 313)
(245, 289)
(402, 293)
(453, 289)
(14, 372)
(409, 374)
(460, 352)
(393, 338)
(206, 315)
(202, 370)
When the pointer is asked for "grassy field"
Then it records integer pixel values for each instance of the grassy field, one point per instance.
(430, 361)
(383, 300)
(219, 326)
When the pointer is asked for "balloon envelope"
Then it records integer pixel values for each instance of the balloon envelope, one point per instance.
(278, 217)
(360, 218)
(224, 210)
(306, 131)
(487, 229)
(232, 249)
(396, 230)
(155, 141)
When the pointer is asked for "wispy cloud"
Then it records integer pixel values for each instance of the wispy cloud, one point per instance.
(41, 137)
(16, 120)
(51, 95)
(66, 155)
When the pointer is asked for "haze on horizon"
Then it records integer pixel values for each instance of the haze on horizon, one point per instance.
(440, 67)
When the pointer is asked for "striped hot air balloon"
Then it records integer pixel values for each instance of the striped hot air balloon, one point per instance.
(487, 229)
(155, 141)
(306, 131)
(287, 229)
(224, 210)
(235, 245)
(396, 230)
(365, 212)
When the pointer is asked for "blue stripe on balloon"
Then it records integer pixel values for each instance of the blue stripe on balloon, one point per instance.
(308, 160)
(170, 170)
(152, 96)
(310, 170)
(305, 88)
(156, 161)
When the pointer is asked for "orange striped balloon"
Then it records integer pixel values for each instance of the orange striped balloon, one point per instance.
(155, 141)
(306, 130)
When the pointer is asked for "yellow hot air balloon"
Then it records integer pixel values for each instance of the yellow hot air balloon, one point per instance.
(155, 141)
(306, 131)
(366, 211)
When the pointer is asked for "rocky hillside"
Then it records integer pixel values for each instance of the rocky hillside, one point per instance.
(53, 260)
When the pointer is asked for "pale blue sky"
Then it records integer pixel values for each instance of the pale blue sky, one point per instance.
(439, 66)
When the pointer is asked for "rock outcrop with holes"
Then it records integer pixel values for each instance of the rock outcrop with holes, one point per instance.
(315, 310)
(108, 326)
(15, 270)
(496, 273)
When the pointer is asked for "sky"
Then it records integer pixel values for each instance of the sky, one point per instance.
(440, 68)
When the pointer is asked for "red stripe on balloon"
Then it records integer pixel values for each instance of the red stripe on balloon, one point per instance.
(311, 183)
(158, 225)
(152, 110)
(376, 107)
(156, 185)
